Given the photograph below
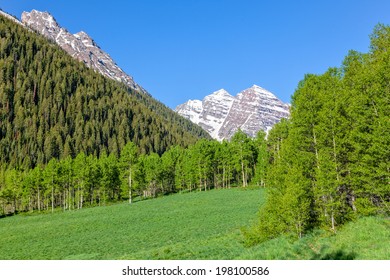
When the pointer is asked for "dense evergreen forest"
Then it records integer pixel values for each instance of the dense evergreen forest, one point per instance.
(330, 162)
(52, 106)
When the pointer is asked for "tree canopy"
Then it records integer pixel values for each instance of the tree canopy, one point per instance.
(330, 162)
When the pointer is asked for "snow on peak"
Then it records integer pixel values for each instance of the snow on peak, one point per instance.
(86, 39)
(259, 90)
(80, 46)
(195, 104)
(220, 92)
(221, 114)
(46, 16)
(219, 95)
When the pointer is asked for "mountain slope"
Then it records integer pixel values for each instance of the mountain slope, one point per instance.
(79, 46)
(14, 19)
(53, 106)
(221, 114)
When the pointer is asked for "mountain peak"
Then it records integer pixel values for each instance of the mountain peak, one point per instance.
(45, 18)
(220, 93)
(222, 114)
(40, 13)
(262, 91)
(80, 46)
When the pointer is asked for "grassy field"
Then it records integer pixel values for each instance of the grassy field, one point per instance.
(365, 239)
(199, 225)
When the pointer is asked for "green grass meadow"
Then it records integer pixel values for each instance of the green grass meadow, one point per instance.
(367, 238)
(198, 225)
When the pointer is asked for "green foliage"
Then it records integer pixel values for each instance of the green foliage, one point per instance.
(330, 161)
(262, 159)
(89, 180)
(364, 239)
(243, 153)
(52, 106)
(128, 158)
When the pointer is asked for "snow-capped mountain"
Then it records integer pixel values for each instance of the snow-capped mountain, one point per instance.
(209, 113)
(79, 46)
(222, 114)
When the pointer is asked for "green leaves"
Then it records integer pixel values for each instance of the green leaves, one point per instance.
(330, 161)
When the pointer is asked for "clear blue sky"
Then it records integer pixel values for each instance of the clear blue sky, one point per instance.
(186, 49)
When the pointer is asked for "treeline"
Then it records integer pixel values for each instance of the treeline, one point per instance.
(52, 106)
(330, 162)
(88, 180)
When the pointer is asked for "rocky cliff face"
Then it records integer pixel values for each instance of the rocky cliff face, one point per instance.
(79, 46)
(222, 115)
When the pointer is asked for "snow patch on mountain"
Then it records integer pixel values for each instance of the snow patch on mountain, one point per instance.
(80, 46)
(222, 114)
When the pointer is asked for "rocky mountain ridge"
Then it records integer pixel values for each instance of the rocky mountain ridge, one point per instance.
(80, 46)
(222, 114)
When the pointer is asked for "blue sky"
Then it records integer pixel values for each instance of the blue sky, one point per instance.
(186, 49)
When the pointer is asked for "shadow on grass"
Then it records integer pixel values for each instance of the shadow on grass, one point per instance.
(336, 255)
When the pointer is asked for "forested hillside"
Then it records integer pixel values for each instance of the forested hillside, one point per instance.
(330, 163)
(52, 106)
(71, 138)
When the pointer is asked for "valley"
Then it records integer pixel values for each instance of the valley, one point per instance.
(92, 166)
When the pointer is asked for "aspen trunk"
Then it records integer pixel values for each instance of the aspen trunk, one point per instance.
(130, 190)
(223, 177)
(315, 149)
(243, 174)
(39, 201)
(333, 223)
(52, 198)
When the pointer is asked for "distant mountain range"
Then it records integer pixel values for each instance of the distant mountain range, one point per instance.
(222, 114)
(80, 46)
